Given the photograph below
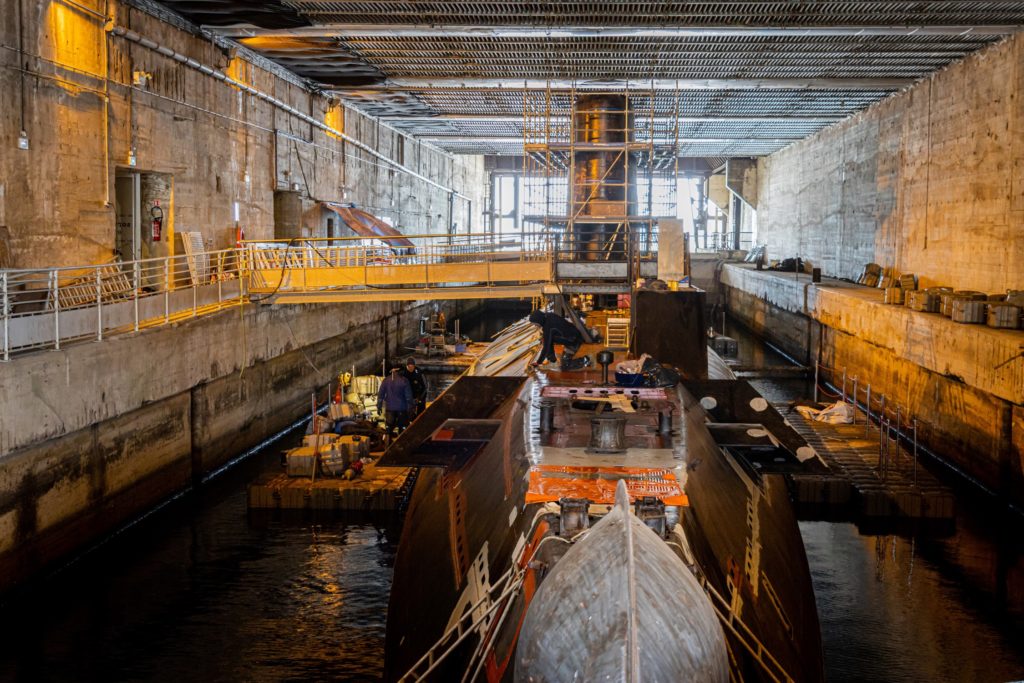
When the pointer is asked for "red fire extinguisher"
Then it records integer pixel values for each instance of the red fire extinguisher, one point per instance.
(157, 216)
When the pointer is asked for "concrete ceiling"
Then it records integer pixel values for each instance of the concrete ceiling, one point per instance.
(744, 78)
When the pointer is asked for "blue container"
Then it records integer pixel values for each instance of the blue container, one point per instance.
(625, 379)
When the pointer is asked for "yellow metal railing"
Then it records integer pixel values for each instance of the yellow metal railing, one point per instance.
(303, 265)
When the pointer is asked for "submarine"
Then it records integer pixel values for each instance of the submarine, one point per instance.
(503, 572)
(566, 525)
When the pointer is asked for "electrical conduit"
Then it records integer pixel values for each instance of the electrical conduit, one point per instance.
(134, 37)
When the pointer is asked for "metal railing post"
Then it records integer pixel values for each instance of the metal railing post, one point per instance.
(136, 275)
(915, 452)
(55, 285)
(897, 434)
(817, 372)
(167, 290)
(856, 394)
(195, 297)
(867, 408)
(844, 385)
(99, 305)
(5, 303)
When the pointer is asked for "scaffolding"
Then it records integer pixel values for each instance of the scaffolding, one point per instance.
(600, 169)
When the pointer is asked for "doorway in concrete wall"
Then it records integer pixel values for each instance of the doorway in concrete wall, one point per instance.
(144, 211)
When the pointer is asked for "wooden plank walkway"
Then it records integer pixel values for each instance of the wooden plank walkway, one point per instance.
(376, 489)
(853, 452)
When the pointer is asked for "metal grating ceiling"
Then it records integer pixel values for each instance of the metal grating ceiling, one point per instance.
(755, 75)
(671, 58)
(740, 12)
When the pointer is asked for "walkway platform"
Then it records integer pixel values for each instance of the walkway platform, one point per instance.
(870, 480)
(377, 489)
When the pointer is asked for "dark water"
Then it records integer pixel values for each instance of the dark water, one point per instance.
(203, 590)
(938, 605)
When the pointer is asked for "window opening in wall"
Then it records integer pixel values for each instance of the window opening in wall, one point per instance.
(505, 204)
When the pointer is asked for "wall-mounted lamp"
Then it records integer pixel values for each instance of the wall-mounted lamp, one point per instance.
(23, 140)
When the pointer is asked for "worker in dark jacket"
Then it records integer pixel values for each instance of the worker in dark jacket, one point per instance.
(395, 398)
(418, 384)
(558, 330)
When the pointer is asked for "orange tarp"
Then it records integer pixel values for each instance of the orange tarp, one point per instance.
(597, 484)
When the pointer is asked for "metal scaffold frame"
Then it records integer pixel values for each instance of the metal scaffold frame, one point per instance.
(646, 150)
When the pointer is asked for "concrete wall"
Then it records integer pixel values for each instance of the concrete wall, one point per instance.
(930, 181)
(954, 378)
(96, 433)
(84, 449)
(72, 91)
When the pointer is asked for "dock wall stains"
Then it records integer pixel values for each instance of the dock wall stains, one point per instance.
(970, 411)
(929, 181)
(97, 434)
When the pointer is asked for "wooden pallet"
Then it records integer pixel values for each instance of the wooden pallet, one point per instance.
(378, 489)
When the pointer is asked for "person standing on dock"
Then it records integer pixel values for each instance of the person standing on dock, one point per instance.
(396, 400)
(418, 383)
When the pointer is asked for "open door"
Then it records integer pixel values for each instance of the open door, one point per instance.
(128, 229)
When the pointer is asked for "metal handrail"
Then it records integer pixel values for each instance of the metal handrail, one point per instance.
(49, 307)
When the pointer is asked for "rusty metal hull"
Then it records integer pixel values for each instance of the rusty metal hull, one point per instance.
(469, 525)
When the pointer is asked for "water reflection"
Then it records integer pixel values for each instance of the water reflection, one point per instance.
(205, 590)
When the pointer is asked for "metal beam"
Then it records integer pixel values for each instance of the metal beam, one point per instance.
(410, 294)
(505, 118)
(463, 137)
(332, 30)
(640, 85)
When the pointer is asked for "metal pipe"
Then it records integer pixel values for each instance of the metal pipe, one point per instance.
(856, 396)
(620, 29)
(99, 306)
(817, 372)
(882, 458)
(167, 290)
(136, 284)
(6, 313)
(867, 418)
(56, 308)
(915, 452)
(897, 434)
(134, 37)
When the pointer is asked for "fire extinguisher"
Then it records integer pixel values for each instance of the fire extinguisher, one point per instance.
(157, 216)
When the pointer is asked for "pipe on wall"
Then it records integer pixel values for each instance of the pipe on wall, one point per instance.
(134, 37)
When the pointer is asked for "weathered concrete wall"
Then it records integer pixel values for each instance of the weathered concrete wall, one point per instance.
(952, 377)
(930, 181)
(86, 449)
(75, 97)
